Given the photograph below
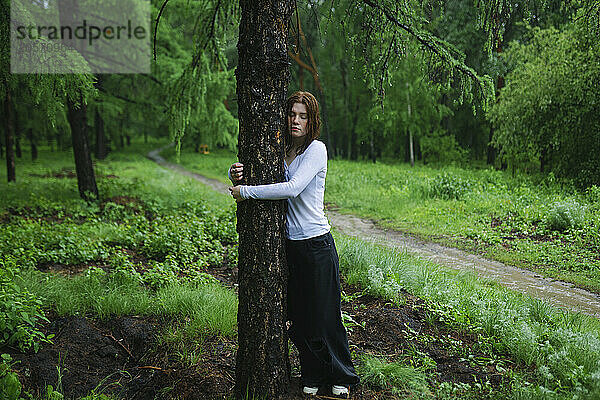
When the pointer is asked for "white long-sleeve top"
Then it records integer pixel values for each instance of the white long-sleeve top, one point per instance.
(304, 191)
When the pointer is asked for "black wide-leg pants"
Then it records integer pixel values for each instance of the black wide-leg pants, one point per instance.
(315, 313)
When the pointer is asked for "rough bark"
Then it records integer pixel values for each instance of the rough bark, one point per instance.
(262, 366)
(86, 180)
(9, 138)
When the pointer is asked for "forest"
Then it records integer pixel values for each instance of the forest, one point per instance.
(462, 189)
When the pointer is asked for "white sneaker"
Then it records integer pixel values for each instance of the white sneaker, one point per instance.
(338, 390)
(310, 390)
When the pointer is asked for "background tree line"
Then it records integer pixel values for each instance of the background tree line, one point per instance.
(544, 71)
(94, 113)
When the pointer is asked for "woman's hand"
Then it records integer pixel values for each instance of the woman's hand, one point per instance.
(235, 192)
(237, 172)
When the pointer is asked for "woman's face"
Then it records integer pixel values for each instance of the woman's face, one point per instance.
(297, 120)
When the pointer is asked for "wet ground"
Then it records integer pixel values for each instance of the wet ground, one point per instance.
(123, 356)
(557, 293)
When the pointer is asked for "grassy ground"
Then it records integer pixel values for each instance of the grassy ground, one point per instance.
(528, 222)
(134, 268)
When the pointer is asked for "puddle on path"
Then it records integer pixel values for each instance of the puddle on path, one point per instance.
(558, 293)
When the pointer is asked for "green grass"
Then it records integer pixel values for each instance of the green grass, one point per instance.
(141, 249)
(526, 221)
(213, 165)
(402, 379)
(144, 246)
(136, 175)
(562, 348)
(211, 307)
(484, 211)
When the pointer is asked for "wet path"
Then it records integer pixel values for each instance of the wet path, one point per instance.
(558, 293)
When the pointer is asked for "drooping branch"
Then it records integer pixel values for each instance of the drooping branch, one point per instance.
(395, 27)
(128, 100)
(162, 8)
(428, 41)
(591, 15)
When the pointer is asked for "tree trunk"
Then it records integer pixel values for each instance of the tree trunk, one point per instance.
(262, 365)
(68, 14)
(101, 150)
(345, 104)
(410, 135)
(122, 141)
(372, 147)
(34, 151)
(8, 134)
(352, 145)
(543, 159)
(18, 151)
(128, 140)
(17, 132)
(86, 180)
(491, 150)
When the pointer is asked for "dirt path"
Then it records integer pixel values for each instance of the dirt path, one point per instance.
(558, 293)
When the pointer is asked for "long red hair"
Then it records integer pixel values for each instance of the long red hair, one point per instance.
(313, 126)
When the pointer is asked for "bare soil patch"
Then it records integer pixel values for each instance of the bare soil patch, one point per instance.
(121, 356)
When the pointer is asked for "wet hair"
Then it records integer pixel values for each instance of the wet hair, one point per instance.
(313, 126)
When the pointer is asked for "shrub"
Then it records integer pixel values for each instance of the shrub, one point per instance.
(380, 374)
(10, 387)
(593, 194)
(565, 215)
(448, 187)
(20, 312)
(442, 148)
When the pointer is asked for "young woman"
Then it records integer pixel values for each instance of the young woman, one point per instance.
(313, 284)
